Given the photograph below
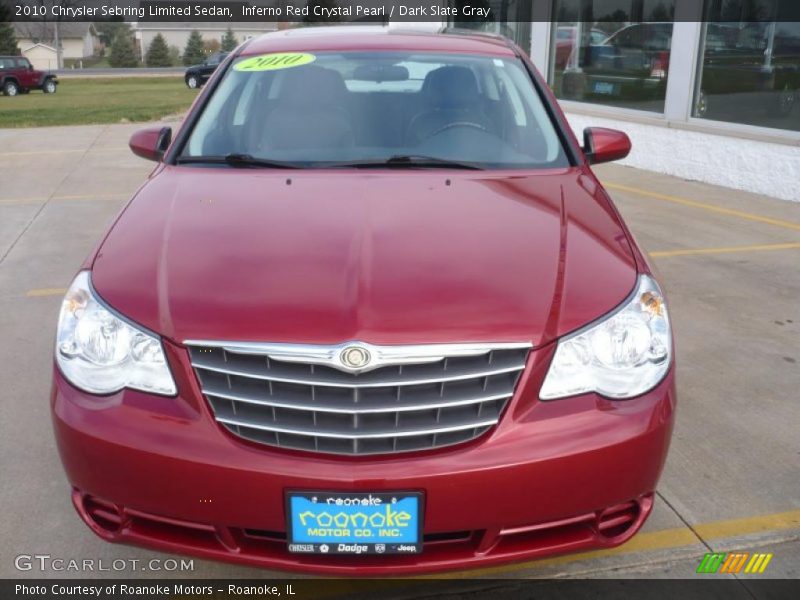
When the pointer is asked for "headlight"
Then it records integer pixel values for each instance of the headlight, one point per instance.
(624, 355)
(101, 353)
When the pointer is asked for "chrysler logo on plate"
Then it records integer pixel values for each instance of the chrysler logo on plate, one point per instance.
(355, 357)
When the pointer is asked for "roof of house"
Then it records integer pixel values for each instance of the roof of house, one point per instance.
(45, 30)
(45, 46)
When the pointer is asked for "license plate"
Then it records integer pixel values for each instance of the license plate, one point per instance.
(354, 523)
(603, 87)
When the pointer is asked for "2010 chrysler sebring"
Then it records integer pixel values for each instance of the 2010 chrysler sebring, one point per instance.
(372, 313)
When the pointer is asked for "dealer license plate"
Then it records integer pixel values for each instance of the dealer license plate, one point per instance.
(354, 523)
(603, 87)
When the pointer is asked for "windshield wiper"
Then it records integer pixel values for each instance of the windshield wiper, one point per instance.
(238, 160)
(403, 161)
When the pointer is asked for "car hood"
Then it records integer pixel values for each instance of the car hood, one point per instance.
(389, 257)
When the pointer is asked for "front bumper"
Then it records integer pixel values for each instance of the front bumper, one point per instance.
(552, 477)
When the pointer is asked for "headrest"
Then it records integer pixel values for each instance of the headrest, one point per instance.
(312, 85)
(451, 86)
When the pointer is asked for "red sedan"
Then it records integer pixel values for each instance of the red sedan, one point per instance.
(371, 313)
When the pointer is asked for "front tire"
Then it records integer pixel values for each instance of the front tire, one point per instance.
(49, 87)
(193, 81)
(11, 88)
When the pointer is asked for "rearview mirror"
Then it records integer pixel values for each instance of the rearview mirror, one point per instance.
(602, 145)
(151, 143)
(380, 73)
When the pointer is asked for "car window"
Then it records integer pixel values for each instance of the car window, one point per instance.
(630, 37)
(23, 63)
(371, 106)
(6, 63)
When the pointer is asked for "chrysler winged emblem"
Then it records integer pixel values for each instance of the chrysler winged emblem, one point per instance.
(355, 357)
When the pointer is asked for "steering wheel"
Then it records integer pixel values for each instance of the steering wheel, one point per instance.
(466, 124)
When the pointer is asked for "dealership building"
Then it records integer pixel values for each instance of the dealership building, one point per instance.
(708, 90)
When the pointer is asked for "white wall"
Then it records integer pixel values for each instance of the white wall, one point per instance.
(43, 58)
(754, 166)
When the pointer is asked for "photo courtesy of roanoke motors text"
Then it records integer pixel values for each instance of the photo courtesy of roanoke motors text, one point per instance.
(400, 299)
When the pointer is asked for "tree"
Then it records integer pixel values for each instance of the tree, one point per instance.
(108, 30)
(210, 47)
(174, 56)
(122, 52)
(193, 53)
(8, 40)
(158, 53)
(229, 42)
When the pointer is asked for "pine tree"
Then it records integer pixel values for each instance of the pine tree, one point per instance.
(122, 52)
(8, 40)
(158, 53)
(229, 42)
(193, 53)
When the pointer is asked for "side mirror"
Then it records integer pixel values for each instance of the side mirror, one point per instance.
(151, 143)
(602, 145)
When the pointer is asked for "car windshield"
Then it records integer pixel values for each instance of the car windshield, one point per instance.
(364, 108)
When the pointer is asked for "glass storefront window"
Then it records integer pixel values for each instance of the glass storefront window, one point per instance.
(749, 71)
(511, 18)
(612, 52)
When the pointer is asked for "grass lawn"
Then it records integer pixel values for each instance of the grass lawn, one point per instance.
(98, 100)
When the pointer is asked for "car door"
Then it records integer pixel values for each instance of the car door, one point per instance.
(210, 65)
(25, 73)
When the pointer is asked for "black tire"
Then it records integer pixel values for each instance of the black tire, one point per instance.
(193, 81)
(49, 86)
(11, 88)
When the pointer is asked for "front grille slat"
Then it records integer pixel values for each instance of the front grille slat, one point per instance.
(363, 381)
(319, 406)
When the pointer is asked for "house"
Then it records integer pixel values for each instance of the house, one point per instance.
(42, 56)
(77, 40)
(177, 34)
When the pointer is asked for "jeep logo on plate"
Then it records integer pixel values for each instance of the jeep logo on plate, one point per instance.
(355, 357)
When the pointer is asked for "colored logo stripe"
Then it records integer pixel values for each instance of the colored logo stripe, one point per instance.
(710, 563)
(734, 562)
(758, 564)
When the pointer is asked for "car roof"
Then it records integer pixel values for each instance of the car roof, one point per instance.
(366, 37)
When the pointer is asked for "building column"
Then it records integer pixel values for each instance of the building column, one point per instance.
(684, 59)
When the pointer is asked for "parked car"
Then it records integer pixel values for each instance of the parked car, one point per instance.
(632, 63)
(743, 70)
(197, 75)
(352, 329)
(566, 43)
(17, 76)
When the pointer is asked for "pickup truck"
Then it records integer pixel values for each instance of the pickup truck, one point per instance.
(17, 76)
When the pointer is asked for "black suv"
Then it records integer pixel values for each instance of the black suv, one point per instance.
(197, 75)
(17, 76)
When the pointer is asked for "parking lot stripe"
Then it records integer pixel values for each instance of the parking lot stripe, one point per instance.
(704, 206)
(726, 250)
(46, 292)
(661, 540)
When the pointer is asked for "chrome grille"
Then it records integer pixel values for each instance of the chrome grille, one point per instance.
(409, 398)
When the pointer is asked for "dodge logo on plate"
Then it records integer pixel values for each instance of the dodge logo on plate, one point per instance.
(355, 357)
